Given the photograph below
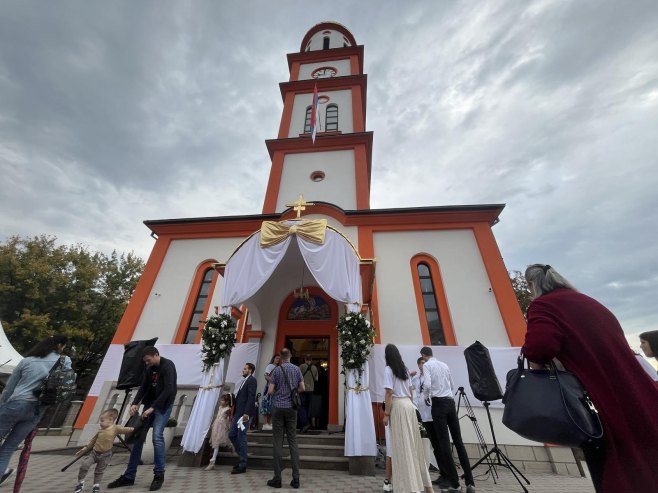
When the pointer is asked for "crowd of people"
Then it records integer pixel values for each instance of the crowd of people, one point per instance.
(562, 324)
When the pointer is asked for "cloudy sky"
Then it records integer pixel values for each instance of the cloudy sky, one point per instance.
(116, 112)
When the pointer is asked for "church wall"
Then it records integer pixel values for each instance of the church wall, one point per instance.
(342, 66)
(338, 187)
(342, 98)
(473, 308)
(162, 312)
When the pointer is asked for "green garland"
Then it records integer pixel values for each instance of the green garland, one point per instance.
(217, 339)
(356, 337)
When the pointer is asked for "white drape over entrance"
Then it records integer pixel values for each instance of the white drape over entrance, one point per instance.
(359, 423)
(334, 264)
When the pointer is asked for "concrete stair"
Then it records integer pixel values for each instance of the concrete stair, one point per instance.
(316, 451)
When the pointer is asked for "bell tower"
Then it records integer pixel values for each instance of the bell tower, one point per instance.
(336, 167)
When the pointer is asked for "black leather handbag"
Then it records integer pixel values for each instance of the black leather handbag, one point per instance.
(549, 406)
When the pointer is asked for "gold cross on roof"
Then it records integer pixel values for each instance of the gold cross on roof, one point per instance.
(299, 205)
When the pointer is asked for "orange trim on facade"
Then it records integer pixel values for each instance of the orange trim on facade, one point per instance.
(439, 296)
(273, 184)
(255, 334)
(286, 115)
(358, 118)
(141, 294)
(85, 412)
(362, 178)
(367, 250)
(501, 285)
(294, 71)
(315, 328)
(191, 300)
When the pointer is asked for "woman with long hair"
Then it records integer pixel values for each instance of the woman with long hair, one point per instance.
(649, 343)
(266, 401)
(589, 341)
(410, 472)
(19, 410)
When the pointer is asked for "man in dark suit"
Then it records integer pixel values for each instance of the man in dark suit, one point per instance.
(245, 398)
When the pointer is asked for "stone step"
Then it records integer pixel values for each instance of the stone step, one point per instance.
(305, 449)
(322, 438)
(305, 462)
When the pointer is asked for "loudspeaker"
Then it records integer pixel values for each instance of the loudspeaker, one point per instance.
(132, 366)
(481, 374)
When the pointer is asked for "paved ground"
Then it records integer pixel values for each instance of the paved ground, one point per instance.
(44, 476)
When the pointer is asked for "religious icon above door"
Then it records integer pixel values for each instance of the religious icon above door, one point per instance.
(315, 308)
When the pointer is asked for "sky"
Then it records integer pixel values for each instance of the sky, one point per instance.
(112, 113)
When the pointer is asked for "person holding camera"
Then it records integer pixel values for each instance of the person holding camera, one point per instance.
(284, 379)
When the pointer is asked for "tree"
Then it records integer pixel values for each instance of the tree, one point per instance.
(520, 286)
(47, 289)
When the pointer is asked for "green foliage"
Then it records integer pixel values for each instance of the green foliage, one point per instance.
(217, 339)
(47, 288)
(356, 337)
(520, 286)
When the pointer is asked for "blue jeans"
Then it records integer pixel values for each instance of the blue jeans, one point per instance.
(157, 420)
(17, 419)
(239, 439)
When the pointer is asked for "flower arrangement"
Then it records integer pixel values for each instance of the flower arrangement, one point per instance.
(356, 336)
(217, 339)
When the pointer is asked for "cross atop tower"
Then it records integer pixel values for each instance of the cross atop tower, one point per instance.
(299, 205)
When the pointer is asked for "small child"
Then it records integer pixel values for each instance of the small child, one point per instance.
(219, 436)
(100, 447)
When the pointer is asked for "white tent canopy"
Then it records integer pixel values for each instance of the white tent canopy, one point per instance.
(9, 357)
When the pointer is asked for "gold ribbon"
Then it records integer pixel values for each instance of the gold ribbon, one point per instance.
(312, 230)
(358, 389)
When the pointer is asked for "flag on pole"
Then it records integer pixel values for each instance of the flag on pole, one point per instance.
(315, 113)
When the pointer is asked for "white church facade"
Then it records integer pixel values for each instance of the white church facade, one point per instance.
(427, 275)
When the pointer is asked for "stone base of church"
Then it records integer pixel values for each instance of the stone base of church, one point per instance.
(362, 466)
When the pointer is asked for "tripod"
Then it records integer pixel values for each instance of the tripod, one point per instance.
(478, 432)
(500, 458)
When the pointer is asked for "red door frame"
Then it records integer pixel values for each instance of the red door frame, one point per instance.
(315, 328)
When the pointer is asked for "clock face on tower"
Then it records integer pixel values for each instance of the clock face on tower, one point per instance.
(324, 72)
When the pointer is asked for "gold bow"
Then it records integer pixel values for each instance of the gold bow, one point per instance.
(358, 389)
(312, 230)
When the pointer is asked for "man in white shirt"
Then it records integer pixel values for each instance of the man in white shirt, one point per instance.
(440, 388)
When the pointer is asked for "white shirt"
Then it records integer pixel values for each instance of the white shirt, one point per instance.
(400, 388)
(418, 381)
(438, 379)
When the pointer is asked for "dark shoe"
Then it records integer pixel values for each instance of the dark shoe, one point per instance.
(295, 483)
(274, 483)
(5, 477)
(157, 482)
(121, 481)
(306, 428)
(239, 469)
(442, 482)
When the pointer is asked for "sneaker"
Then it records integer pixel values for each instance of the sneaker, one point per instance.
(470, 488)
(458, 489)
(157, 482)
(267, 427)
(96, 488)
(295, 483)
(387, 485)
(6, 476)
(121, 481)
(210, 467)
(443, 483)
(79, 487)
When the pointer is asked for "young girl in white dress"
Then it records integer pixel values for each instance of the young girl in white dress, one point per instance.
(219, 434)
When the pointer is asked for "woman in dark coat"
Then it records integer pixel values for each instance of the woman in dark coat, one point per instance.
(588, 340)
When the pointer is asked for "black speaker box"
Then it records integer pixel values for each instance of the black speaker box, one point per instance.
(481, 374)
(132, 366)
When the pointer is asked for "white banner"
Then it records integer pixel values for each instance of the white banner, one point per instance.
(503, 359)
(186, 357)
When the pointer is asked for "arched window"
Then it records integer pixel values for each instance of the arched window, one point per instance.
(433, 312)
(307, 120)
(196, 308)
(331, 122)
(325, 43)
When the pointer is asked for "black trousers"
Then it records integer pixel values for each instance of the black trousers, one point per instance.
(446, 424)
(434, 440)
(595, 458)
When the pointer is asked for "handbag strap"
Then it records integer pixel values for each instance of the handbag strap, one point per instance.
(588, 402)
(285, 377)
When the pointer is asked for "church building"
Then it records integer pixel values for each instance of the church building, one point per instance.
(427, 275)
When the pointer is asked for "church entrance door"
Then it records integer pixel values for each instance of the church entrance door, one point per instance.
(309, 327)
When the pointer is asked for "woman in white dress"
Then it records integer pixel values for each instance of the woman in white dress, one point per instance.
(410, 472)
